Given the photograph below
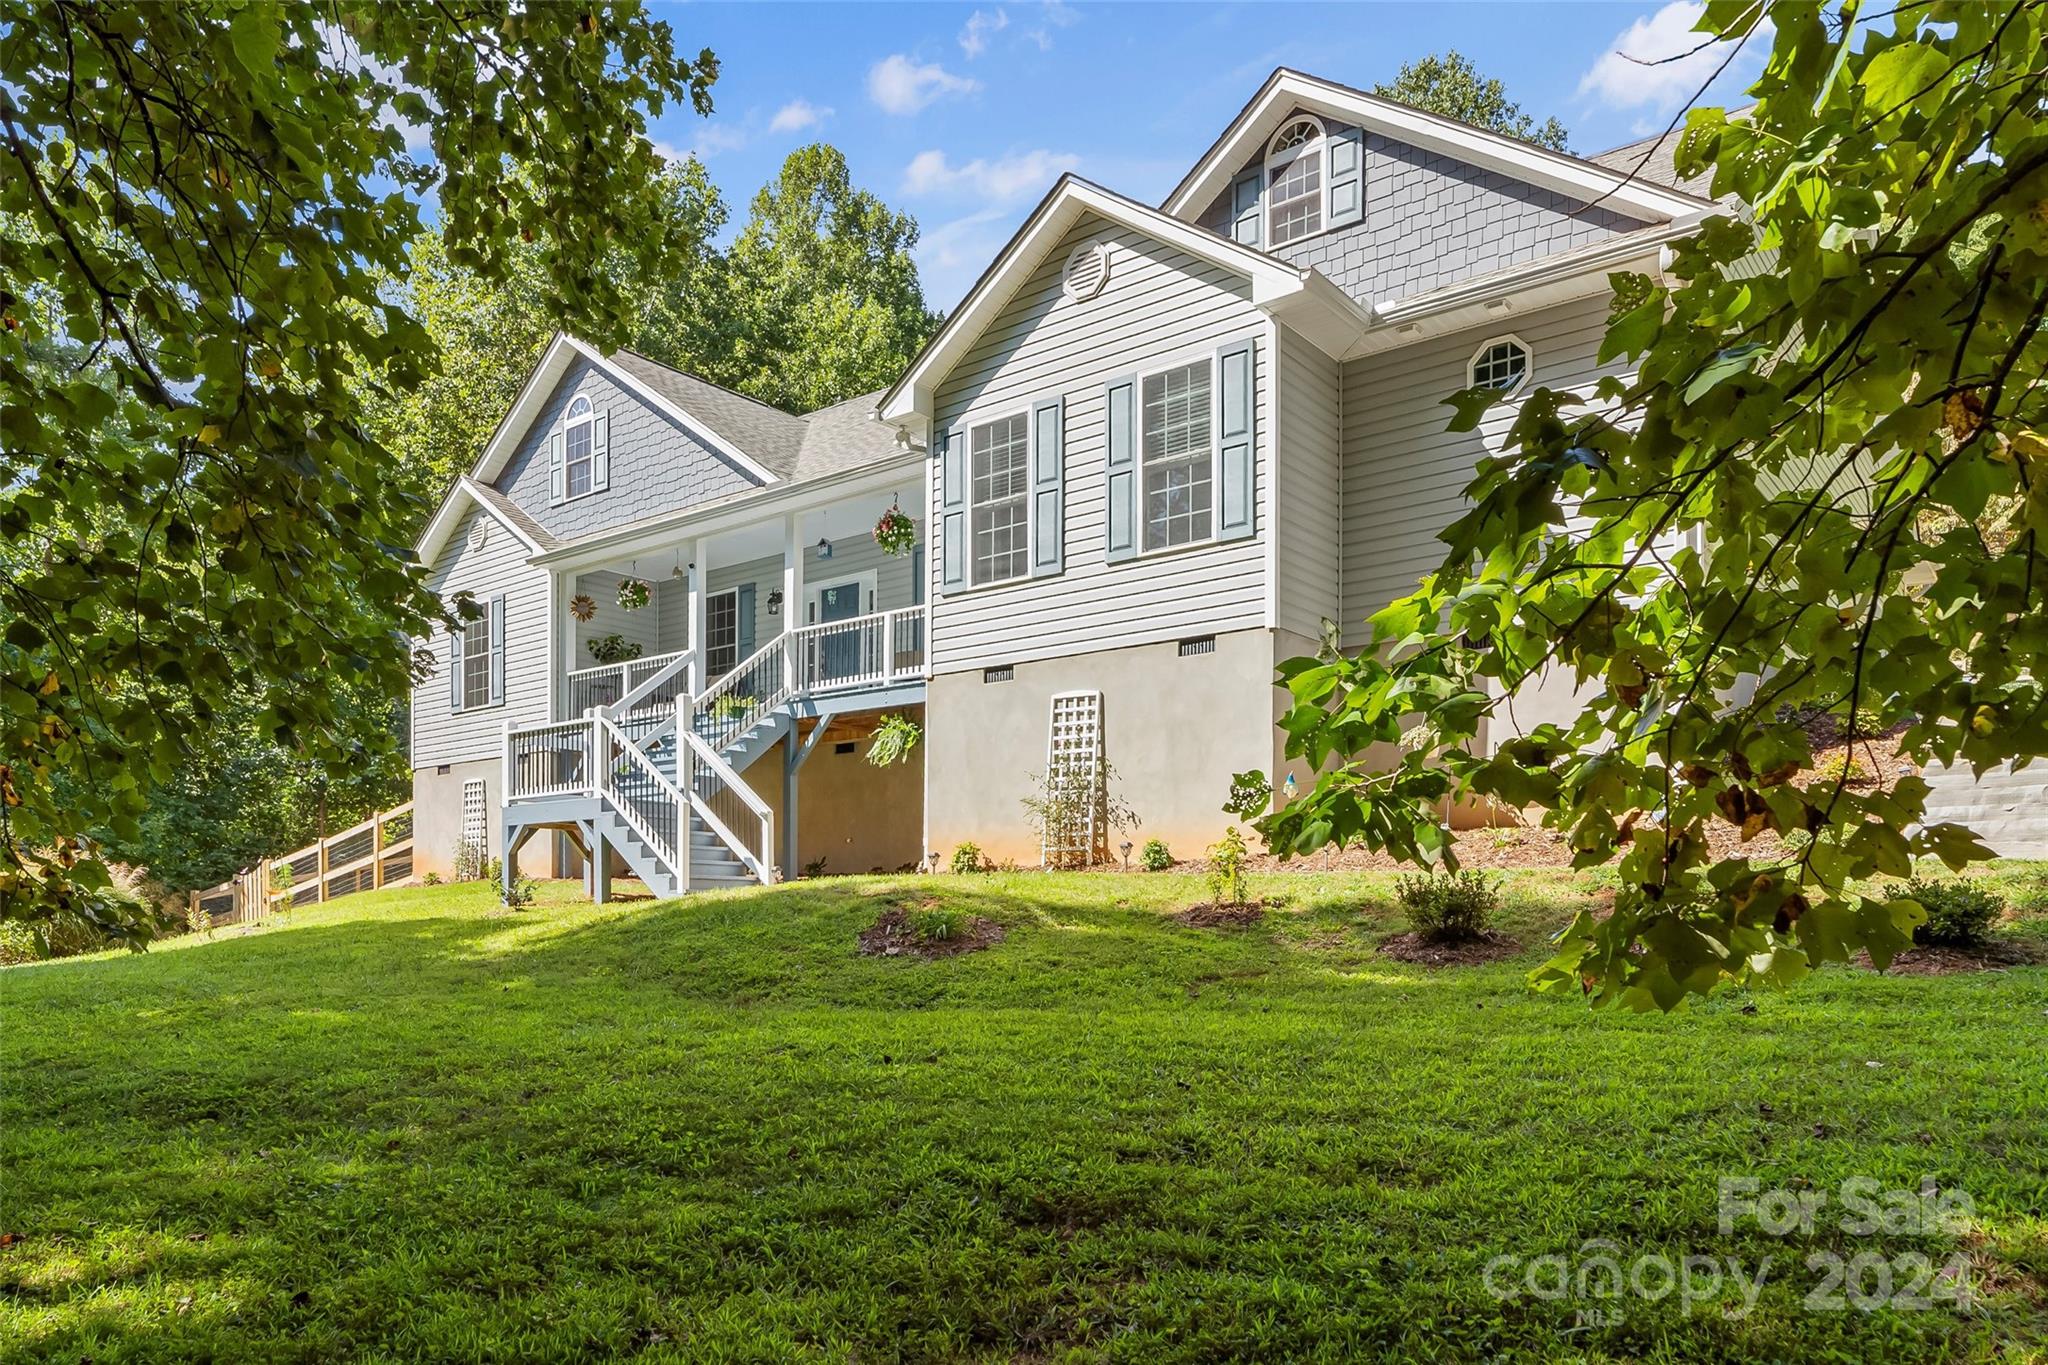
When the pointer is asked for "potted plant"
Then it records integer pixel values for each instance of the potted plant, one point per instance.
(895, 533)
(634, 593)
(613, 649)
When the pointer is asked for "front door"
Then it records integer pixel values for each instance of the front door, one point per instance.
(840, 655)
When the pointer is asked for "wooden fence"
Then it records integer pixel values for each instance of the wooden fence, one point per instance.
(376, 853)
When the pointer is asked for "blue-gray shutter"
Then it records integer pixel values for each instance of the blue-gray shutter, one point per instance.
(917, 574)
(743, 627)
(1346, 178)
(952, 451)
(497, 651)
(1120, 417)
(1244, 207)
(1048, 478)
(1235, 440)
(601, 451)
(558, 481)
(455, 666)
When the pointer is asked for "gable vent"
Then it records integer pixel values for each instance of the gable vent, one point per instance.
(1086, 272)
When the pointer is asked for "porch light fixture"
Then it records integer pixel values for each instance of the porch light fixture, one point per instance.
(775, 601)
(824, 548)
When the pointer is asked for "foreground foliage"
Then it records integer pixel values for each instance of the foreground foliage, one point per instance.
(199, 207)
(1822, 496)
(411, 1126)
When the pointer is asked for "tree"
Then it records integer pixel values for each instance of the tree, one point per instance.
(205, 201)
(489, 330)
(1450, 85)
(823, 300)
(1821, 496)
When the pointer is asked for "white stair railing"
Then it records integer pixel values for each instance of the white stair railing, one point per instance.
(644, 796)
(865, 651)
(551, 760)
(743, 698)
(727, 805)
(609, 684)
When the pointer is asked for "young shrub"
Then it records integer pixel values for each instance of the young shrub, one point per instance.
(1959, 911)
(1227, 858)
(431, 879)
(1074, 817)
(492, 871)
(937, 923)
(1449, 907)
(967, 858)
(281, 882)
(1155, 856)
(469, 860)
(521, 894)
(18, 944)
(1839, 768)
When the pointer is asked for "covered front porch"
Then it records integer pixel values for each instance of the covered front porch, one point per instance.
(779, 642)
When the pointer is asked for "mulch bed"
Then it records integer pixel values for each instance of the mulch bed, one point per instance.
(891, 935)
(1930, 960)
(1222, 916)
(1490, 947)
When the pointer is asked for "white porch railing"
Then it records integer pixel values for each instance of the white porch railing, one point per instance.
(608, 685)
(621, 709)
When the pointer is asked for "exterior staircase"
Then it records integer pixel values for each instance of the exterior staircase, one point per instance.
(653, 772)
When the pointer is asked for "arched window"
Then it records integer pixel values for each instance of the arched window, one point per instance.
(580, 450)
(1294, 182)
(1502, 363)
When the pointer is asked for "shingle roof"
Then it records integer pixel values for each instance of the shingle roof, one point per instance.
(517, 515)
(828, 441)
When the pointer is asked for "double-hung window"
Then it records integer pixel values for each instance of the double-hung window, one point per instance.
(476, 661)
(999, 459)
(1178, 450)
(1294, 182)
(579, 463)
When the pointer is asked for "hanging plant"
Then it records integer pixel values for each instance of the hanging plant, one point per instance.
(634, 593)
(894, 738)
(583, 607)
(613, 649)
(895, 532)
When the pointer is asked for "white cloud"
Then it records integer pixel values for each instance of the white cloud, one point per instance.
(1002, 180)
(341, 50)
(981, 23)
(901, 86)
(950, 257)
(1620, 77)
(796, 116)
(1052, 14)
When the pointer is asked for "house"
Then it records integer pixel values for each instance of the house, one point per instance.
(1149, 455)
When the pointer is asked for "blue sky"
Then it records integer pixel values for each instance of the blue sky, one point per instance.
(964, 114)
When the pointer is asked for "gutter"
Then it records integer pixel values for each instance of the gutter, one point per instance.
(738, 510)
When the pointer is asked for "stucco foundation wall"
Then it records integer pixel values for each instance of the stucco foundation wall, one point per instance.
(1174, 729)
(437, 820)
(855, 816)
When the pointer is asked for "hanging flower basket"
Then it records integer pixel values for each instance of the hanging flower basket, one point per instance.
(583, 607)
(895, 532)
(634, 594)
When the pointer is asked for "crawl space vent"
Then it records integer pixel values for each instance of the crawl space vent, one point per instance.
(1087, 271)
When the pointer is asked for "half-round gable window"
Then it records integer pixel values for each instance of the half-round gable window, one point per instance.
(578, 447)
(1294, 182)
(1501, 363)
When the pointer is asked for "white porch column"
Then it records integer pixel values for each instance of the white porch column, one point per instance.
(700, 565)
(792, 594)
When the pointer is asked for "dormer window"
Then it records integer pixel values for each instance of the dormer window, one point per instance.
(1294, 182)
(577, 426)
(579, 458)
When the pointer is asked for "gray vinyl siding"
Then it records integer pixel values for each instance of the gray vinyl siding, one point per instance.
(642, 627)
(656, 465)
(1431, 220)
(1307, 489)
(1159, 305)
(441, 734)
(1405, 475)
(853, 556)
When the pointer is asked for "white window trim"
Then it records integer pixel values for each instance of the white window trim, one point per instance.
(1283, 158)
(489, 663)
(709, 598)
(589, 419)
(967, 426)
(1175, 362)
(814, 593)
(1503, 338)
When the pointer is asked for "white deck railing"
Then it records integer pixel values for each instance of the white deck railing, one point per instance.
(633, 704)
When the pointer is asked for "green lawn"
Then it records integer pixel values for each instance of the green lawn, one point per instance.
(414, 1126)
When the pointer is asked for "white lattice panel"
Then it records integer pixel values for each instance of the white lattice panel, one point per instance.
(1073, 766)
